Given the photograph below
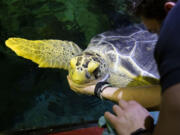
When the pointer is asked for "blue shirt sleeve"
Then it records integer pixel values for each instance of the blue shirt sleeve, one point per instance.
(167, 51)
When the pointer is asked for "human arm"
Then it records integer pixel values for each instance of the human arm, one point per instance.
(148, 96)
(130, 116)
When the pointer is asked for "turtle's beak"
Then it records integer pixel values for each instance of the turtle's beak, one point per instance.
(73, 62)
(78, 77)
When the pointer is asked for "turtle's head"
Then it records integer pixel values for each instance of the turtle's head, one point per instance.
(86, 68)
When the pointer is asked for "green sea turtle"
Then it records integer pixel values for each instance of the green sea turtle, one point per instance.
(123, 57)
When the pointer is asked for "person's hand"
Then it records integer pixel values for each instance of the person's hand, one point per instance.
(129, 117)
(82, 89)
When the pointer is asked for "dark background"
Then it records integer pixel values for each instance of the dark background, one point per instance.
(31, 97)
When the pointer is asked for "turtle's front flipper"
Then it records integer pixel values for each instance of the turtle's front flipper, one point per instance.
(46, 53)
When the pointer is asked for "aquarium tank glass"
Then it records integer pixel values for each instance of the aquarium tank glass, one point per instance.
(33, 97)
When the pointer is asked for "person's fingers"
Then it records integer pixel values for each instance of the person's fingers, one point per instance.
(71, 84)
(110, 118)
(68, 77)
(123, 104)
(117, 110)
(69, 80)
(132, 102)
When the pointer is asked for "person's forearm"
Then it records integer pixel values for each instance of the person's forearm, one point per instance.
(147, 96)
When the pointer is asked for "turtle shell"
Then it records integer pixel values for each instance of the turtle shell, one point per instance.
(131, 47)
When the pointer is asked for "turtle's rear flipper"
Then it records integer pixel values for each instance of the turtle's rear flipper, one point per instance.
(46, 53)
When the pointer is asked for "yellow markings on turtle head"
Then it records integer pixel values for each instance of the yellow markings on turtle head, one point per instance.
(73, 62)
(92, 66)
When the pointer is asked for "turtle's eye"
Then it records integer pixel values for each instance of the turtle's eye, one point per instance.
(96, 73)
(88, 76)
